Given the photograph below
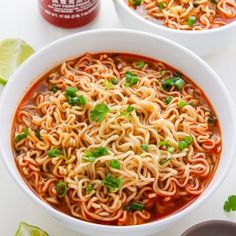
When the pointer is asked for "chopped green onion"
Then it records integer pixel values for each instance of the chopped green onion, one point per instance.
(89, 158)
(175, 81)
(78, 100)
(179, 83)
(211, 120)
(65, 154)
(164, 143)
(135, 206)
(54, 152)
(164, 161)
(144, 147)
(135, 2)
(182, 145)
(170, 149)
(181, 103)
(139, 64)
(188, 140)
(92, 155)
(73, 98)
(114, 81)
(163, 72)
(128, 110)
(37, 134)
(99, 112)
(168, 99)
(161, 5)
(168, 83)
(89, 188)
(61, 188)
(54, 88)
(71, 91)
(131, 79)
(107, 84)
(114, 164)
(213, 2)
(112, 183)
(192, 103)
(191, 20)
(22, 136)
(81, 100)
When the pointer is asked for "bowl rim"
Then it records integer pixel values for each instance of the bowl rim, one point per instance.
(208, 223)
(165, 29)
(107, 228)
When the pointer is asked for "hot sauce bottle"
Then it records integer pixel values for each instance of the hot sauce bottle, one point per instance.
(69, 13)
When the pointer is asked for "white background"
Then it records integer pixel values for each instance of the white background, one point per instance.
(21, 19)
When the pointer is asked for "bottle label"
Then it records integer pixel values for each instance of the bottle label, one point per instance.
(68, 9)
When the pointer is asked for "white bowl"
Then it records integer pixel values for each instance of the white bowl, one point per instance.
(129, 42)
(202, 42)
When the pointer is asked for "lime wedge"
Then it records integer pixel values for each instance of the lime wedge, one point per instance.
(29, 230)
(13, 52)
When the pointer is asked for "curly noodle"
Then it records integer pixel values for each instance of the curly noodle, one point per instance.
(160, 177)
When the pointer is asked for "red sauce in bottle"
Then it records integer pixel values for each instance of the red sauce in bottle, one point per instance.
(69, 13)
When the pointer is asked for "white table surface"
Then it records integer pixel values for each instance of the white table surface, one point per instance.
(21, 19)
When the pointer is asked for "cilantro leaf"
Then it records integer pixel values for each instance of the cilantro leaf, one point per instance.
(144, 147)
(54, 152)
(139, 64)
(230, 204)
(89, 188)
(131, 79)
(114, 164)
(22, 136)
(128, 110)
(175, 81)
(73, 98)
(164, 161)
(107, 84)
(135, 206)
(91, 155)
(112, 183)
(99, 112)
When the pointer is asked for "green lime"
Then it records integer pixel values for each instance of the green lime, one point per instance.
(29, 230)
(12, 53)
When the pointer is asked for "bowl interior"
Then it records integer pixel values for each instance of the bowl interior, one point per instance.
(129, 10)
(125, 41)
(202, 42)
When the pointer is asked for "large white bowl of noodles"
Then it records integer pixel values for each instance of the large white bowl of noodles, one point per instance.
(202, 42)
(126, 41)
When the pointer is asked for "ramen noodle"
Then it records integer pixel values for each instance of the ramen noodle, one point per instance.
(186, 14)
(116, 139)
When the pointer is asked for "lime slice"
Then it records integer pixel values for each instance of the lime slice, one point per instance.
(29, 230)
(12, 53)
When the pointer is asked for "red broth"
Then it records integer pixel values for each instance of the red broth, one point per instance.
(219, 17)
(41, 178)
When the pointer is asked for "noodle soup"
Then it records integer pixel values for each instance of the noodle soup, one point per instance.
(116, 139)
(186, 14)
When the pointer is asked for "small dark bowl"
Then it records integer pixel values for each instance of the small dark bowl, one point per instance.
(212, 228)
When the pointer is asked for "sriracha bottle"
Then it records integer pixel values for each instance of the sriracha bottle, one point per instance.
(69, 13)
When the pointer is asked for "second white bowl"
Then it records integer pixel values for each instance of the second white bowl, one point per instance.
(202, 42)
